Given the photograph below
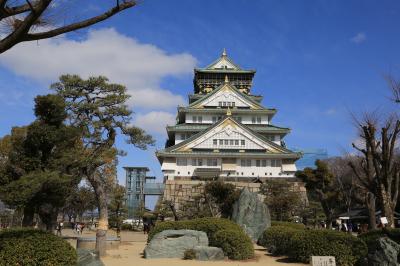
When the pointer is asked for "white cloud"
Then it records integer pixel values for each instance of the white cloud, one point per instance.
(141, 67)
(155, 122)
(359, 38)
(330, 111)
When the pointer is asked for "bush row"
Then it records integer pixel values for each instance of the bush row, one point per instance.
(372, 235)
(25, 246)
(346, 249)
(277, 239)
(221, 233)
(301, 244)
(288, 224)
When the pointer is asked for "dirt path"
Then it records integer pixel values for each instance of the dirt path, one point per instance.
(132, 246)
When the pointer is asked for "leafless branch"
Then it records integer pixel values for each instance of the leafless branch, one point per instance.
(31, 14)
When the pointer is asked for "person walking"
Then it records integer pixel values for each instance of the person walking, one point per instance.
(58, 229)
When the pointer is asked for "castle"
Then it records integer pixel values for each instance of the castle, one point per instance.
(224, 133)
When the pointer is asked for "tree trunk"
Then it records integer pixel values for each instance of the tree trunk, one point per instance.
(370, 202)
(387, 210)
(329, 220)
(172, 207)
(29, 213)
(48, 216)
(101, 232)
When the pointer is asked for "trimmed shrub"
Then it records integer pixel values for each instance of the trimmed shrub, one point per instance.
(371, 236)
(25, 246)
(346, 248)
(277, 239)
(288, 224)
(127, 227)
(189, 254)
(211, 226)
(235, 244)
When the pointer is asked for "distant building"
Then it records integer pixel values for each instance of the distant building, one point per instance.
(309, 157)
(137, 188)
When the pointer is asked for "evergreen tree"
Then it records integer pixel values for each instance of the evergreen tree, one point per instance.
(39, 162)
(99, 109)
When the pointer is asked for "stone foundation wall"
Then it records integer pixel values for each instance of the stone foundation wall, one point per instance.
(183, 191)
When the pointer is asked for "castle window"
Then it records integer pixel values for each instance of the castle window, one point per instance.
(243, 163)
(275, 163)
(233, 104)
(253, 120)
(236, 142)
(226, 141)
(181, 161)
(242, 142)
(211, 162)
(215, 142)
(248, 162)
(231, 142)
(258, 163)
(200, 119)
(221, 142)
(214, 119)
(264, 163)
(219, 103)
(258, 120)
(194, 119)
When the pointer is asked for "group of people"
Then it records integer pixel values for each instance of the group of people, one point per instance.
(78, 227)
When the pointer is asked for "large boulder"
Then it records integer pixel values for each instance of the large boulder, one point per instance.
(383, 252)
(88, 258)
(174, 243)
(250, 212)
(208, 253)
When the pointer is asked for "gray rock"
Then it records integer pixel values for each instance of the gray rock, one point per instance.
(208, 253)
(250, 212)
(88, 258)
(174, 243)
(383, 252)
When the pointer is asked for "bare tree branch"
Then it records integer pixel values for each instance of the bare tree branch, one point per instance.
(21, 29)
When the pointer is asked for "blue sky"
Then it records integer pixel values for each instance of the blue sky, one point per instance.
(317, 62)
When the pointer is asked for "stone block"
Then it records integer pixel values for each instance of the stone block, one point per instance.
(174, 243)
(208, 253)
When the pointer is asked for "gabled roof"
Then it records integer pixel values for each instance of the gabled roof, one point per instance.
(228, 119)
(231, 87)
(224, 62)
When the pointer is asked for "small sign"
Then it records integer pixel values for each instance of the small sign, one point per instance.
(323, 261)
(384, 220)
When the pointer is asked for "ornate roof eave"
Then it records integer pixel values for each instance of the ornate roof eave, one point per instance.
(235, 90)
(183, 109)
(295, 156)
(241, 71)
(200, 127)
(195, 97)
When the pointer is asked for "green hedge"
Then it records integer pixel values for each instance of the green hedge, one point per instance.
(346, 248)
(288, 224)
(235, 244)
(211, 226)
(25, 246)
(372, 235)
(277, 239)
